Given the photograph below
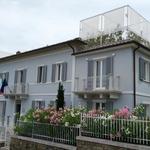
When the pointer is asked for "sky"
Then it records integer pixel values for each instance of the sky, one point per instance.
(30, 24)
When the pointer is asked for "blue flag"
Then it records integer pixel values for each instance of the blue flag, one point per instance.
(4, 83)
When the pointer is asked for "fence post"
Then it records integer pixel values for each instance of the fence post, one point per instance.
(32, 129)
(80, 124)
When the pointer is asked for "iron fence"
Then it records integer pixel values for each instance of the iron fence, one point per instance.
(131, 130)
(50, 132)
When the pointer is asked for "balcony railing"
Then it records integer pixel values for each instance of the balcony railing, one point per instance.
(100, 83)
(17, 89)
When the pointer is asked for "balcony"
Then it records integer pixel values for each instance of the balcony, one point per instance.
(115, 26)
(17, 91)
(105, 87)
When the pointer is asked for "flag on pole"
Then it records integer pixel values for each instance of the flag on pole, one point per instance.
(4, 84)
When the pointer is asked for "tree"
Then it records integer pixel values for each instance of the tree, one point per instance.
(60, 97)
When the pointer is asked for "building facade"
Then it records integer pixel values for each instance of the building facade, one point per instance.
(107, 71)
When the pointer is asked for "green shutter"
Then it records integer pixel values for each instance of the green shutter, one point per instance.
(53, 72)
(142, 69)
(64, 71)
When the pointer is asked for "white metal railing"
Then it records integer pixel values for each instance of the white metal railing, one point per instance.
(20, 88)
(113, 25)
(50, 132)
(131, 130)
(97, 83)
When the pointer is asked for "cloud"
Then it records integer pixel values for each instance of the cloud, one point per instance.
(29, 24)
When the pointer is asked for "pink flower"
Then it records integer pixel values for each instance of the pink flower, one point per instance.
(123, 113)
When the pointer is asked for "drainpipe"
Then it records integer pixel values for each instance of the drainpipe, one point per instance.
(134, 75)
(73, 76)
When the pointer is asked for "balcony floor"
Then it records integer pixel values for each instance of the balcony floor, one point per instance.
(99, 93)
(16, 96)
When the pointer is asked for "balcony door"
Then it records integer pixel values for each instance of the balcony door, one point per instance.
(20, 80)
(99, 74)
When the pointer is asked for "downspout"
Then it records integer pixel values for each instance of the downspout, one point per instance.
(134, 75)
(73, 76)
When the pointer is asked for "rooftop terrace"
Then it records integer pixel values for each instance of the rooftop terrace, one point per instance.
(117, 25)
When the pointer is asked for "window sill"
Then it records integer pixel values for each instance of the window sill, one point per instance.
(56, 82)
(146, 81)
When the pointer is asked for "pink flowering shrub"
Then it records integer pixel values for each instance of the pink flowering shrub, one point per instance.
(95, 113)
(123, 113)
(48, 115)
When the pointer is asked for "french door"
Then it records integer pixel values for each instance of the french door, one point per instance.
(99, 74)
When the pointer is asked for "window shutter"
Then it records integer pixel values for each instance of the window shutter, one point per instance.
(4, 108)
(64, 72)
(38, 75)
(7, 76)
(149, 72)
(16, 76)
(24, 76)
(141, 69)
(1, 75)
(109, 66)
(90, 68)
(90, 74)
(53, 72)
(44, 74)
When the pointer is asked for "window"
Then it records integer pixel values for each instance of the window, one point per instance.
(38, 104)
(99, 71)
(100, 106)
(20, 76)
(4, 76)
(52, 103)
(42, 74)
(59, 72)
(2, 110)
(144, 70)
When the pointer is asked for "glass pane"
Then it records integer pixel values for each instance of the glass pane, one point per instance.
(97, 106)
(98, 69)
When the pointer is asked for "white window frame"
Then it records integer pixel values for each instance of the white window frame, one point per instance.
(101, 74)
(100, 102)
(4, 75)
(38, 102)
(42, 73)
(147, 69)
(58, 77)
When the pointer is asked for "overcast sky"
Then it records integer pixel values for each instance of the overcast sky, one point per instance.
(29, 24)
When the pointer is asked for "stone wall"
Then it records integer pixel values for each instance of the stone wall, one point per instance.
(25, 143)
(86, 143)
(83, 143)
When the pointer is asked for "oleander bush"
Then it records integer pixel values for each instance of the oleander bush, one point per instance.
(122, 124)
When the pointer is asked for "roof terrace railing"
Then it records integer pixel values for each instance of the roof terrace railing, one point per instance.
(116, 25)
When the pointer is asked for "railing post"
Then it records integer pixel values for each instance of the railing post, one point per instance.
(32, 129)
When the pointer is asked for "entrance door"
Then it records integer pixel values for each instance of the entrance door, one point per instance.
(99, 105)
(17, 110)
